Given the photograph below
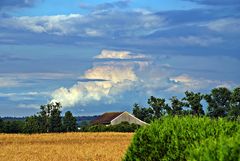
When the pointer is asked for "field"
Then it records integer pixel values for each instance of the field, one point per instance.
(64, 146)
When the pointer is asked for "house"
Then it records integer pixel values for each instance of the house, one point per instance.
(113, 118)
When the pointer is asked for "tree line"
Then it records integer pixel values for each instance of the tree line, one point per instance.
(221, 102)
(47, 120)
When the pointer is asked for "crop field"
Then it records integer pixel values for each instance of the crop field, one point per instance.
(64, 146)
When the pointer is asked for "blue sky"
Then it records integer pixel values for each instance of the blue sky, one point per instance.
(96, 56)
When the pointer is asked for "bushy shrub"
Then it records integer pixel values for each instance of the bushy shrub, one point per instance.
(170, 138)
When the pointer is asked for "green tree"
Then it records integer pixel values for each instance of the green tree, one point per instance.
(33, 124)
(193, 101)
(158, 106)
(49, 118)
(55, 121)
(176, 106)
(144, 114)
(69, 122)
(218, 102)
(234, 111)
(13, 127)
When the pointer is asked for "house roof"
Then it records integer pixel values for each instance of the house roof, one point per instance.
(106, 118)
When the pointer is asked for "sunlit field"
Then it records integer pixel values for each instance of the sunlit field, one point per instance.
(64, 146)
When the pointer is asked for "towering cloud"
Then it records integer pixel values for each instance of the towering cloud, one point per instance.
(108, 80)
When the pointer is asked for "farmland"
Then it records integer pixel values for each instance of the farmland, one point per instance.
(64, 146)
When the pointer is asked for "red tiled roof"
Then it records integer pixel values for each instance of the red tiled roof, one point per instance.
(106, 118)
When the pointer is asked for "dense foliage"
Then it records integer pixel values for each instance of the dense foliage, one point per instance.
(11, 126)
(221, 102)
(186, 138)
(122, 127)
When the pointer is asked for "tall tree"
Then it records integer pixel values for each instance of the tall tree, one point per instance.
(49, 117)
(158, 105)
(218, 102)
(234, 111)
(193, 101)
(69, 122)
(55, 121)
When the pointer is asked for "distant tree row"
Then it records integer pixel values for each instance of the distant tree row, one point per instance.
(221, 102)
(122, 127)
(47, 120)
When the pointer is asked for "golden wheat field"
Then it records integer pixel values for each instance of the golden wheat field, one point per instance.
(64, 146)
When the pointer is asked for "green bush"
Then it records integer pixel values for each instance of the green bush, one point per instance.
(222, 148)
(172, 137)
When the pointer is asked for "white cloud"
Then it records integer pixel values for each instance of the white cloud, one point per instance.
(224, 25)
(110, 54)
(119, 77)
(57, 24)
(82, 25)
(185, 82)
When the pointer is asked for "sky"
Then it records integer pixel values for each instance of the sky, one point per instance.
(96, 56)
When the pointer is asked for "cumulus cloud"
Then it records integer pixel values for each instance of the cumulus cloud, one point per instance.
(110, 54)
(117, 78)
